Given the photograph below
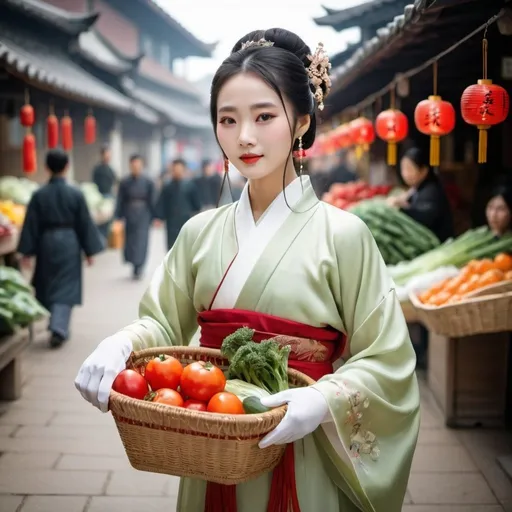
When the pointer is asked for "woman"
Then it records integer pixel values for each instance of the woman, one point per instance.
(425, 201)
(499, 211)
(280, 259)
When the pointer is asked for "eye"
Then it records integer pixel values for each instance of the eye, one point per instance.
(265, 117)
(226, 120)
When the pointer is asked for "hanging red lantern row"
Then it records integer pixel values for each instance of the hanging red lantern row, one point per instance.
(344, 136)
(27, 119)
(436, 118)
(90, 128)
(29, 154)
(392, 126)
(362, 133)
(52, 129)
(66, 125)
(483, 105)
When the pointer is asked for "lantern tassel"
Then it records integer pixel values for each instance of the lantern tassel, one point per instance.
(482, 146)
(435, 150)
(359, 152)
(392, 153)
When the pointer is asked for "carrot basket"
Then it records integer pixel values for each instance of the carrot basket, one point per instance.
(485, 310)
(181, 442)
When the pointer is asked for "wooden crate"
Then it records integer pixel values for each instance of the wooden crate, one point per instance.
(468, 378)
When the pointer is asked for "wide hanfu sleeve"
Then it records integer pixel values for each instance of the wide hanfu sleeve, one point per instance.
(370, 439)
(167, 315)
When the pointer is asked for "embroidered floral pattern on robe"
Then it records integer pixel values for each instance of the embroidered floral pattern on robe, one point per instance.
(362, 441)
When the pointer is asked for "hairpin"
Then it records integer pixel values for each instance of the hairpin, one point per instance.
(318, 72)
(262, 42)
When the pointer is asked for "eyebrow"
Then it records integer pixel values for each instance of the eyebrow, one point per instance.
(256, 106)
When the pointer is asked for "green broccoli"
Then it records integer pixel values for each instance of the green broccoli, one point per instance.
(263, 364)
(236, 340)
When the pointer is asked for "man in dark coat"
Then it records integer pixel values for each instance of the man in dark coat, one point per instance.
(105, 179)
(208, 185)
(135, 205)
(179, 200)
(57, 229)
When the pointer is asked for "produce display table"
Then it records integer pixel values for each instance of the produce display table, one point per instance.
(11, 349)
(468, 378)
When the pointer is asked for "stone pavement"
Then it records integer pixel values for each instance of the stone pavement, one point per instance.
(59, 454)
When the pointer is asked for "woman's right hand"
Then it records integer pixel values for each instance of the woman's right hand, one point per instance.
(99, 370)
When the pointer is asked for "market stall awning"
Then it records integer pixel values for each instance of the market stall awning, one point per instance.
(423, 30)
(179, 111)
(53, 69)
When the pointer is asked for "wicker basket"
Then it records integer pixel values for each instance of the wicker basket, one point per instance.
(409, 311)
(483, 311)
(181, 442)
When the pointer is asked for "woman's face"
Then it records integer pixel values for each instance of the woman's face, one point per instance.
(498, 214)
(411, 173)
(253, 127)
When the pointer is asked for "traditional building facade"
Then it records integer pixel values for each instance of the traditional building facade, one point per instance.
(108, 57)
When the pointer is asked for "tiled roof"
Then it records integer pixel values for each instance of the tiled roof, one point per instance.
(190, 114)
(92, 46)
(385, 36)
(335, 18)
(24, 55)
(71, 23)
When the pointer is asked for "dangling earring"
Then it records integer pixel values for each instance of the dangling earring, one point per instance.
(301, 157)
(224, 178)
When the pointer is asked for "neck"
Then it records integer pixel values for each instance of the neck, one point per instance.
(264, 190)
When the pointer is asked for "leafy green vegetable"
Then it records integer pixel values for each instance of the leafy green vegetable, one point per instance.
(263, 364)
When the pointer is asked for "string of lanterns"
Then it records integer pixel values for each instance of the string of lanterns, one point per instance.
(54, 131)
(483, 105)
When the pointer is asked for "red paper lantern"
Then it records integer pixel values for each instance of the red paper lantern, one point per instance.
(362, 132)
(436, 118)
(27, 116)
(392, 126)
(90, 129)
(484, 105)
(52, 131)
(344, 136)
(67, 133)
(29, 154)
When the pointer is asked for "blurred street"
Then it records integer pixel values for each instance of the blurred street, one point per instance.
(60, 454)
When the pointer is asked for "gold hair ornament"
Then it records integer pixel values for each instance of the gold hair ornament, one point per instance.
(318, 72)
(262, 42)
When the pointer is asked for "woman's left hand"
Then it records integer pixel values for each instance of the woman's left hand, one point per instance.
(307, 409)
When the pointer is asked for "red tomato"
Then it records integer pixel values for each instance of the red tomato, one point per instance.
(195, 405)
(163, 372)
(166, 396)
(201, 380)
(225, 403)
(131, 383)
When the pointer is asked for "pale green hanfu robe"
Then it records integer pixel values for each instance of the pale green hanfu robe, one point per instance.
(320, 266)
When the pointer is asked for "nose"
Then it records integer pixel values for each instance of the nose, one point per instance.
(246, 136)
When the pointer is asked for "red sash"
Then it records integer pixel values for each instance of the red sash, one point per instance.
(215, 326)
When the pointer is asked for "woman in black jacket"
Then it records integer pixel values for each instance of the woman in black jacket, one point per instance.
(425, 201)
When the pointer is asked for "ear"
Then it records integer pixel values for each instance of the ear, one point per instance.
(302, 125)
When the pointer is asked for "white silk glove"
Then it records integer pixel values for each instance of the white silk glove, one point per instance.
(307, 409)
(99, 370)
